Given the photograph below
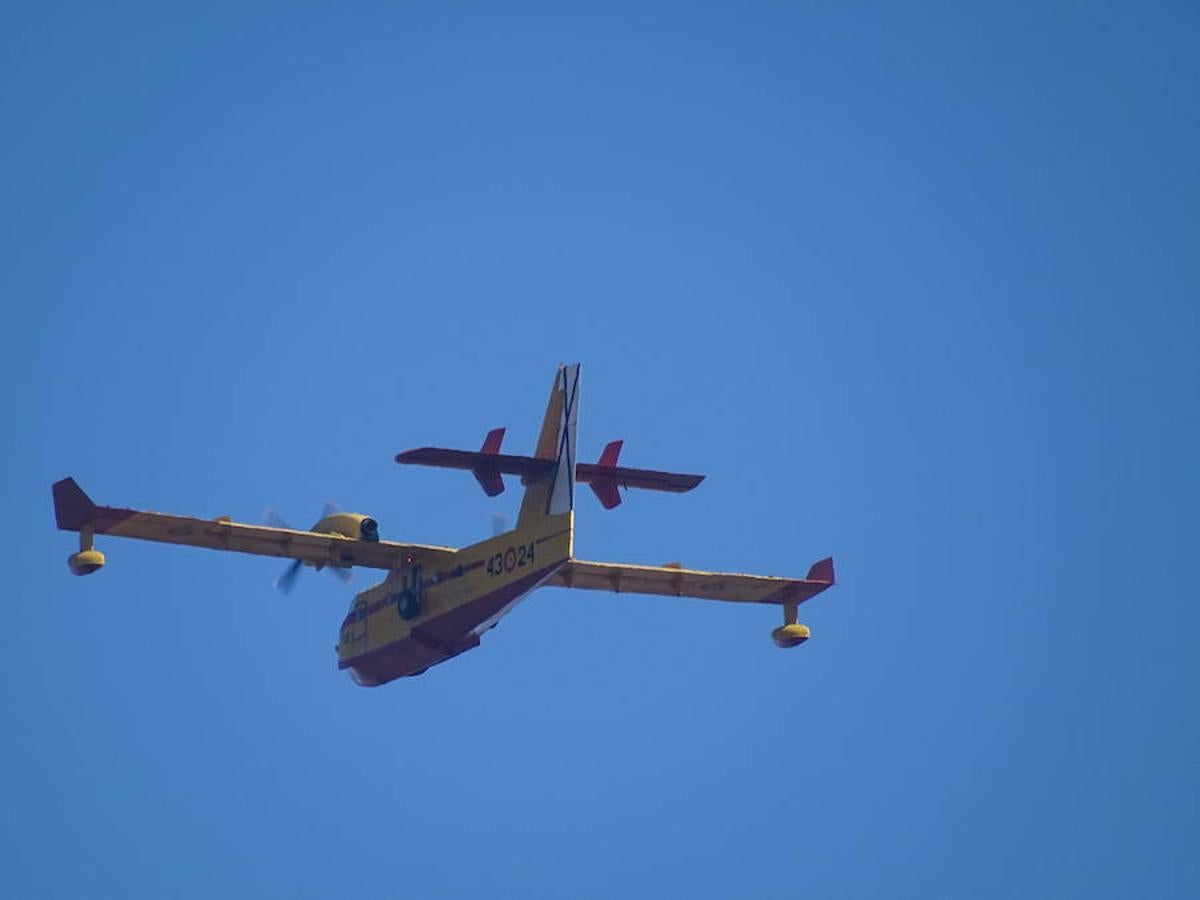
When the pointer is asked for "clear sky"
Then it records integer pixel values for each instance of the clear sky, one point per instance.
(915, 285)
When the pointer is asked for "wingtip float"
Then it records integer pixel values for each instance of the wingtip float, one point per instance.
(436, 602)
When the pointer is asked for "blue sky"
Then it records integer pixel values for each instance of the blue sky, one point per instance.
(915, 287)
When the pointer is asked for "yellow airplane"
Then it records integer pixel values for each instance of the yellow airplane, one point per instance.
(436, 602)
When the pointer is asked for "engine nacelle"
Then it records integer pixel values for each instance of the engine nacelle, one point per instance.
(85, 562)
(355, 526)
(793, 635)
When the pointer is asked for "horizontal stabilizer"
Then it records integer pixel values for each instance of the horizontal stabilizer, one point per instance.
(646, 479)
(504, 463)
(531, 468)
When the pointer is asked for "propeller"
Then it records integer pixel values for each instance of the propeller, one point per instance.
(287, 579)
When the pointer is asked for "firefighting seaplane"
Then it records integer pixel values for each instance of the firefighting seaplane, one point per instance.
(436, 602)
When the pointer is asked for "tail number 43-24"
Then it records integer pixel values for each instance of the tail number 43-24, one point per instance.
(509, 559)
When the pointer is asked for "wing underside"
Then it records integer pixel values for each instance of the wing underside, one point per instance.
(679, 582)
(74, 511)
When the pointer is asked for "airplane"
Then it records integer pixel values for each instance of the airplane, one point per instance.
(436, 602)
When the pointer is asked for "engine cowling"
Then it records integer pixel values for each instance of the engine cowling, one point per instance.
(355, 526)
(793, 635)
(85, 562)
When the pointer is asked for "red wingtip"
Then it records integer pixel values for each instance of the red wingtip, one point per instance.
(72, 507)
(821, 571)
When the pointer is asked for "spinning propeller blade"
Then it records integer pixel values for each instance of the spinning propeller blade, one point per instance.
(273, 519)
(287, 580)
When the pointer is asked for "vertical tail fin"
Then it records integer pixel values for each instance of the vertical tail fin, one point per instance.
(554, 494)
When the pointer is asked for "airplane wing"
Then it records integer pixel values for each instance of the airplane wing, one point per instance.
(679, 582)
(74, 510)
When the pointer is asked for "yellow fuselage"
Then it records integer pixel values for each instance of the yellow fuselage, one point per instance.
(415, 618)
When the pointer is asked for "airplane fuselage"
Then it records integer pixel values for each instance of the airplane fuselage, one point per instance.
(416, 618)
